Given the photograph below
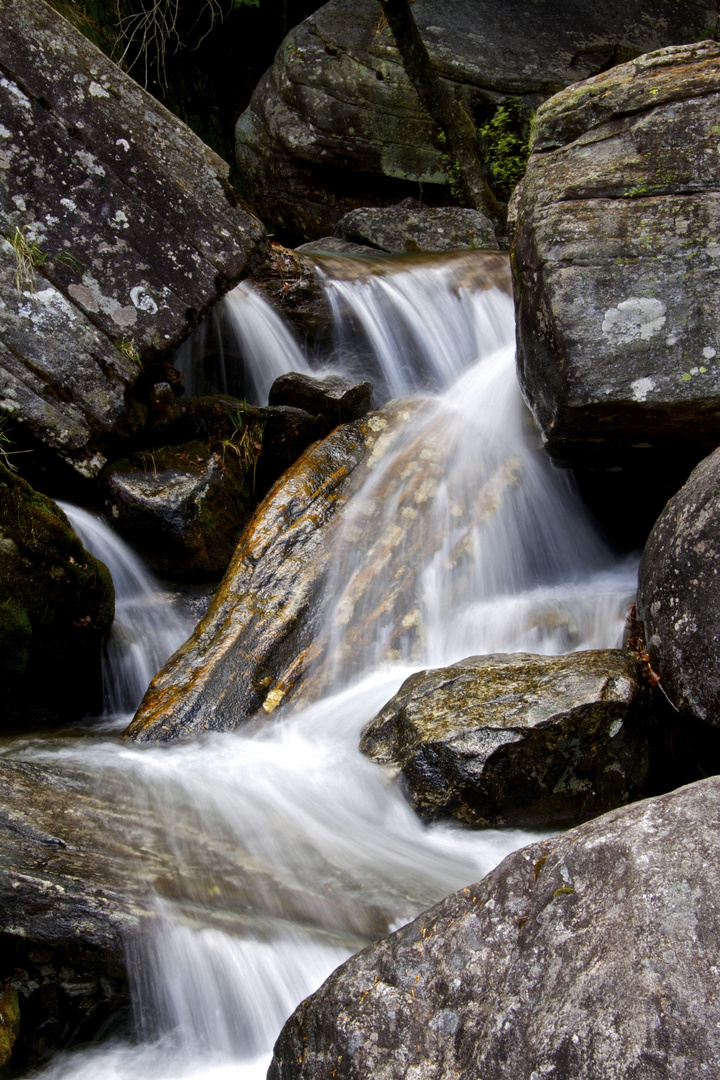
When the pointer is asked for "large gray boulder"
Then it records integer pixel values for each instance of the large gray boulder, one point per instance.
(617, 264)
(679, 594)
(518, 739)
(123, 229)
(410, 226)
(590, 955)
(336, 124)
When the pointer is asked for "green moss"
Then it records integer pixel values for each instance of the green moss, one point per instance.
(9, 1022)
(505, 145)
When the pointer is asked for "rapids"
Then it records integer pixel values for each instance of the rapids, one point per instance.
(291, 851)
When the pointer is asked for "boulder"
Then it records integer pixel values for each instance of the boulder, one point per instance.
(56, 607)
(679, 594)
(183, 507)
(334, 397)
(617, 268)
(410, 226)
(518, 739)
(335, 123)
(121, 230)
(589, 955)
(257, 641)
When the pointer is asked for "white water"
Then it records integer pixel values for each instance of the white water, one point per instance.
(252, 346)
(147, 629)
(288, 849)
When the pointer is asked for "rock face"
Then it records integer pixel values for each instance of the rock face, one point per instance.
(410, 226)
(518, 739)
(592, 954)
(679, 594)
(337, 399)
(335, 123)
(184, 507)
(122, 230)
(56, 607)
(257, 640)
(617, 263)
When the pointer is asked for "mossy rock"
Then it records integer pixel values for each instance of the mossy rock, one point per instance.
(9, 1022)
(57, 604)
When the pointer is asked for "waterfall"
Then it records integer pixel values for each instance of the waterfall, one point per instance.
(147, 628)
(240, 349)
(288, 850)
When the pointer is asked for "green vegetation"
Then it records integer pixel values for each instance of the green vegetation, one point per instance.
(505, 145)
(246, 439)
(129, 349)
(30, 257)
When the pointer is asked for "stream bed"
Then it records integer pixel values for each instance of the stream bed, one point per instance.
(287, 850)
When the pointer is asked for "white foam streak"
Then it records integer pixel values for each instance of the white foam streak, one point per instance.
(250, 346)
(147, 629)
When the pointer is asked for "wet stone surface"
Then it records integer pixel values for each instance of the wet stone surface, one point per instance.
(518, 739)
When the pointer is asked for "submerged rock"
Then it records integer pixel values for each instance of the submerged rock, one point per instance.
(518, 739)
(69, 904)
(589, 955)
(123, 229)
(334, 397)
(335, 123)
(56, 607)
(258, 638)
(679, 594)
(617, 272)
(410, 226)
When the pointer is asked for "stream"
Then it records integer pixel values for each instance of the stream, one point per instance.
(289, 850)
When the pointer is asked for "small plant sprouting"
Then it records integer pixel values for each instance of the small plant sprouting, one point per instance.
(6, 443)
(246, 439)
(29, 257)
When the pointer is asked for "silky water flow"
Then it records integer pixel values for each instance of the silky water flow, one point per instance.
(286, 850)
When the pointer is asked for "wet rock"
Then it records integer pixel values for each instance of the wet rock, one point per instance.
(335, 123)
(123, 230)
(616, 263)
(257, 641)
(333, 397)
(679, 594)
(518, 739)
(592, 954)
(290, 282)
(410, 226)
(64, 880)
(70, 902)
(56, 607)
(183, 507)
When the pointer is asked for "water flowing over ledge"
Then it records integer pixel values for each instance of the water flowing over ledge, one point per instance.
(288, 850)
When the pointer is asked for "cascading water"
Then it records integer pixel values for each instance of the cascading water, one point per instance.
(147, 629)
(287, 850)
(250, 347)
